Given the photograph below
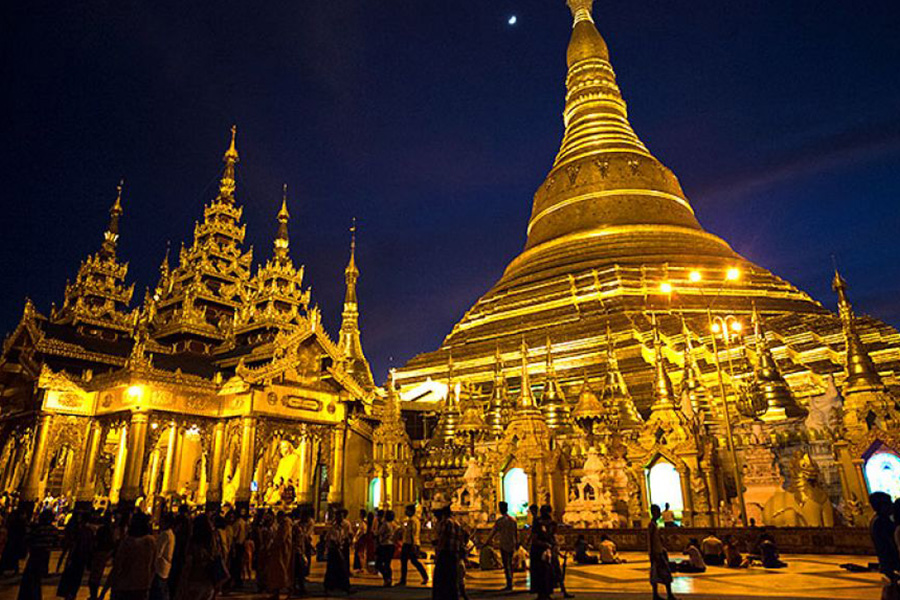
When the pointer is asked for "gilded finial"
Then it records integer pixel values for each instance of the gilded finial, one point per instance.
(117, 205)
(581, 10)
(232, 154)
(283, 214)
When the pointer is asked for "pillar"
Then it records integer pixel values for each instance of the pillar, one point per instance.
(168, 487)
(134, 458)
(305, 483)
(336, 477)
(248, 439)
(387, 481)
(713, 489)
(119, 467)
(70, 474)
(214, 491)
(32, 489)
(687, 515)
(85, 493)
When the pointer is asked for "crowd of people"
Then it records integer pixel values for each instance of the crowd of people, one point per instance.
(200, 555)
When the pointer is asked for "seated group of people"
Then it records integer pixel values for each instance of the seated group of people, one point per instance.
(715, 552)
(608, 553)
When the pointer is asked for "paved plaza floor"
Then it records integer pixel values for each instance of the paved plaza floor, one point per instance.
(806, 577)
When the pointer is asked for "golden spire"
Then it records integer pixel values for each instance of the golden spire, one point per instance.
(496, 416)
(588, 411)
(553, 401)
(448, 422)
(350, 343)
(282, 240)
(605, 185)
(111, 235)
(618, 402)
(861, 371)
(227, 183)
(663, 385)
(769, 384)
(526, 398)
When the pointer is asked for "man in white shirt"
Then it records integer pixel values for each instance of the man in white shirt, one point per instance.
(409, 552)
(162, 562)
(668, 517)
(506, 530)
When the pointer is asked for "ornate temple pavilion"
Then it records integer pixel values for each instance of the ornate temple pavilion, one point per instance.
(686, 364)
(221, 386)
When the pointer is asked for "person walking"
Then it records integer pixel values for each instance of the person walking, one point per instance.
(359, 530)
(385, 536)
(506, 531)
(162, 562)
(337, 577)
(448, 551)
(197, 578)
(79, 557)
(104, 546)
(15, 548)
(660, 570)
(241, 530)
(278, 566)
(38, 543)
(409, 551)
(132, 570)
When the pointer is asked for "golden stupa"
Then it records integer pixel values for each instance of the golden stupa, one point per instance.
(613, 242)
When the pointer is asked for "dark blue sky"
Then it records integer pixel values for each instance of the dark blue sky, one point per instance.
(433, 122)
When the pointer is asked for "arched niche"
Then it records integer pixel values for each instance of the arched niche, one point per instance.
(664, 486)
(515, 491)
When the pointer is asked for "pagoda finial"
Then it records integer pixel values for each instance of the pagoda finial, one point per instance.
(581, 10)
(227, 183)
(769, 383)
(351, 266)
(526, 398)
(861, 371)
(111, 236)
(350, 339)
(663, 385)
(282, 240)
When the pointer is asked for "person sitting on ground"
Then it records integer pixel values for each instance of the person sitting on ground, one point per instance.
(489, 559)
(581, 552)
(733, 558)
(713, 550)
(768, 551)
(609, 554)
(668, 517)
(695, 563)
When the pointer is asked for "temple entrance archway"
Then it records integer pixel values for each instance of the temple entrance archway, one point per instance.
(664, 487)
(375, 493)
(515, 491)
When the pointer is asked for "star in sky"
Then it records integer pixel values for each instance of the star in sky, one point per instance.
(513, 19)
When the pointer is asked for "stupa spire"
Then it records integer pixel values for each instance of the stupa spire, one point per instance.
(662, 387)
(111, 235)
(861, 371)
(618, 402)
(605, 185)
(553, 401)
(282, 239)
(526, 397)
(227, 183)
(769, 383)
(350, 343)
(496, 416)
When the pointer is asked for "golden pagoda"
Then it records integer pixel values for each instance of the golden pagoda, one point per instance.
(613, 242)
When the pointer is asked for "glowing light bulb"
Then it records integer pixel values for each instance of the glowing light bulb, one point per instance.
(695, 276)
(665, 287)
(716, 328)
(134, 391)
(733, 274)
(736, 326)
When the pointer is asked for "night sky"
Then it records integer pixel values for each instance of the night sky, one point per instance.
(433, 122)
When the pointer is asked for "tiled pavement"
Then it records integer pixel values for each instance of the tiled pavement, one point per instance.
(806, 577)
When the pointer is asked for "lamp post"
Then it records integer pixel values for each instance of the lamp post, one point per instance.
(730, 327)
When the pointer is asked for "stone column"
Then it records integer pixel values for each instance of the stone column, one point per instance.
(134, 458)
(305, 483)
(31, 490)
(119, 468)
(168, 487)
(214, 491)
(336, 477)
(687, 515)
(85, 494)
(248, 440)
(713, 489)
